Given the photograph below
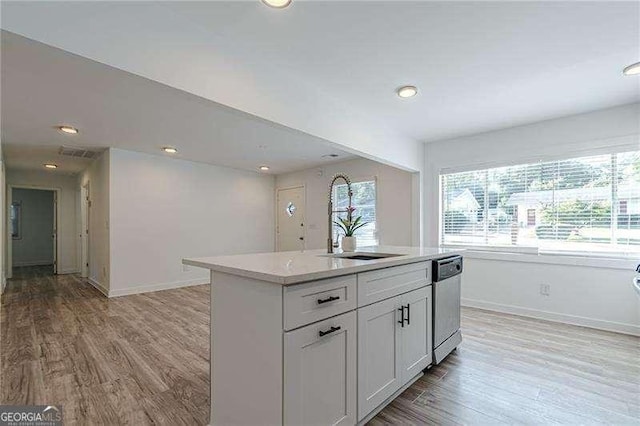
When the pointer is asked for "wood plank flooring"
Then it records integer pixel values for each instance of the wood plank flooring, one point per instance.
(141, 359)
(144, 359)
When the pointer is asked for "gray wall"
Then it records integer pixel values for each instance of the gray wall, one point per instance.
(35, 247)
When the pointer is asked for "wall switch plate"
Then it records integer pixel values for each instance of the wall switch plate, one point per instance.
(545, 289)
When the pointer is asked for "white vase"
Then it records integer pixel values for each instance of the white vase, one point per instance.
(348, 243)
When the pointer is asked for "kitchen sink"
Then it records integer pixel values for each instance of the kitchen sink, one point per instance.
(362, 255)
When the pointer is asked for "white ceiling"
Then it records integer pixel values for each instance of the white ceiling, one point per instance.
(330, 68)
(44, 86)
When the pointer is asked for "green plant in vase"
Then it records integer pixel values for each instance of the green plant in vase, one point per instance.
(349, 226)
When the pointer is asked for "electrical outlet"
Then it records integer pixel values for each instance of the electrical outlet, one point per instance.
(186, 268)
(545, 289)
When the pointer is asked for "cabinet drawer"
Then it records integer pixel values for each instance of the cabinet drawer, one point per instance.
(317, 300)
(384, 283)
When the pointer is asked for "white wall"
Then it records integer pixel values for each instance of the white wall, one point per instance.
(97, 175)
(584, 292)
(164, 209)
(67, 239)
(395, 215)
(3, 226)
(35, 245)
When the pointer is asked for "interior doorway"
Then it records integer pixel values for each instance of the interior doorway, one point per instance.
(85, 216)
(290, 228)
(33, 230)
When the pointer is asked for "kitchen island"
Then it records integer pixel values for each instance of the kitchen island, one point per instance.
(307, 337)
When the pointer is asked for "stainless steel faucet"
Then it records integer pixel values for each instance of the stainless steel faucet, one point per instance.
(330, 242)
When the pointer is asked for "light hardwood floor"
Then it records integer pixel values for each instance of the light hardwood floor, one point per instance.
(143, 359)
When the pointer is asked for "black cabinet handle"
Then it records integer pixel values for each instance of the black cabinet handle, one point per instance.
(408, 314)
(328, 299)
(401, 322)
(329, 331)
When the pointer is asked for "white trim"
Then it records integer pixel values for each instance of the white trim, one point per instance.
(157, 287)
(617, 327)
(68, 271)
(101, 288)
(588, 261)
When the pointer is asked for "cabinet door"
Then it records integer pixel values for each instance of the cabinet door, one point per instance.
(415, 336)
(379, 374)
(320, 373)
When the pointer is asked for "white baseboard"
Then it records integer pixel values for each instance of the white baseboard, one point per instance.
(68, 271)
(101, 288)
(156, 287)
(617, 327)
(33, 263)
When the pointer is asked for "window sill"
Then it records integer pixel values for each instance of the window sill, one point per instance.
(628, 264)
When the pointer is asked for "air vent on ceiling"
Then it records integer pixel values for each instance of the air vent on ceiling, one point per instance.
(76, 152)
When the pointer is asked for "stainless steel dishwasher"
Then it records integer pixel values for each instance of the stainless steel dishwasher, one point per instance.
(446, 306)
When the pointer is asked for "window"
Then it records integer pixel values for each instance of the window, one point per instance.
(561, 205)
(364, 202)
(15, 220)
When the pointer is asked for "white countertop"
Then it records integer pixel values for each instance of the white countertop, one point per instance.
(292, 267)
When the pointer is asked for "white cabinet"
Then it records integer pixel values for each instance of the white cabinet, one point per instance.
(394, 346)
(415, 337)
(327, 352)
(317, 300)
(378, 360)
(381, 284)
(320, 373)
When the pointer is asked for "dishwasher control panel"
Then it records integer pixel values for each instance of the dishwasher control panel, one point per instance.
(447, 268)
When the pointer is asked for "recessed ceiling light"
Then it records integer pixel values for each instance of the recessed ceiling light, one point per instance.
(68, 129)
(50, 166)
(277, 4)
(632, 69)
(169, 149)
(264, 168)
(407, 91)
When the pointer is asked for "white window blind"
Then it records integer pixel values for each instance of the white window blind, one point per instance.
(587, 204)
(364, 202)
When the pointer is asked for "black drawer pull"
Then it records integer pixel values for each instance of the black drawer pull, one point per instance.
(408, 314)
(401, 322)
(329, 331)
(328, 299)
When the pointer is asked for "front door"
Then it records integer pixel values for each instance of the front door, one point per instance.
(290, 217)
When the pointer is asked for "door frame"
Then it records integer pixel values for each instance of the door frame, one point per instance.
(56, 214)
(275, 208)
(85, 221)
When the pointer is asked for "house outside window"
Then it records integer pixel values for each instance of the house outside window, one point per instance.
(563, 205)
(623, 206)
